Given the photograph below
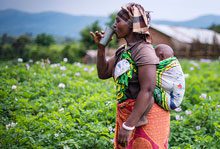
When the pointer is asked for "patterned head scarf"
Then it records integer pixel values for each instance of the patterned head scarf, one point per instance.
(137, 17)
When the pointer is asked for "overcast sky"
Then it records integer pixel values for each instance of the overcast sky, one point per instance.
(176, 10)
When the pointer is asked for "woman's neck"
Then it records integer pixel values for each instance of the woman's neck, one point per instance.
(133, 38)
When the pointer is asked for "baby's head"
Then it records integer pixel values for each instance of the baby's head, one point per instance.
(164, 51)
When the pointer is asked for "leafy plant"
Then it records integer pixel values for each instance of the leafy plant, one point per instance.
(65, 105)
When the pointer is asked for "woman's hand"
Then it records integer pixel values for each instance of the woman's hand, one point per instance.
(97, 36)
(123, 137)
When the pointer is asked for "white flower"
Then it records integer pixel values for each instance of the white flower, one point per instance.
(188, 112)
(198, 127)
(20, 60)
(7, 126)
(92, 69)
(112, 140)
(27, 66)
(203, 95)
(66, 147)
(16, 99)
(63, 68)
(10, 125)
(31, 61)
(107, 103)
(86, 69)
(110, 129)
(205, 60)
(61, 110)
(191, 68)
(178, 117)
(65, 59)
(42, 65)
(61, 85)
(77, 74)
(218, 106)
(55, 65)
(6, 66)
(178, 109)
(78, 64)
(194, 63)
(63, 75)
(13, 87)
(56, 135)
(186, 75)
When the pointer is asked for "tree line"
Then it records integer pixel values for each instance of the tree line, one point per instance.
(45, 46)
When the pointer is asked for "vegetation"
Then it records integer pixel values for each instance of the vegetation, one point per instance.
(43, 46)
(215, 27)
(65, 105)
(86, 37)
(44, 40)
(46, 102)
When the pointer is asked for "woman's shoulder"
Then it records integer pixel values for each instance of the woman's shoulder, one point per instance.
(145, 46)
(144, 53)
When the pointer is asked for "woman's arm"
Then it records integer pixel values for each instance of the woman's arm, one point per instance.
(147, 80)
(104, 67)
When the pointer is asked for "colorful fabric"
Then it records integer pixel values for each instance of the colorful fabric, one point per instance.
(122, 80)
(139, 17)
(170, 86)
(154, 135)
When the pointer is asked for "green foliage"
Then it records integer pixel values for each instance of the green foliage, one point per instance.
(53, 52)
(215, 28)
(6, 52)
(44, 40)
(112, 18)
(73, 52)
(86, 38)
(19, 45)
(197, 125)
(6, 39)
(24, 47)
(40, 112)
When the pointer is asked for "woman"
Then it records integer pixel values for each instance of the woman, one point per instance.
(134, 70)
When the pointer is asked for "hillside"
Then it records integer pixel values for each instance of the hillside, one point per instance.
(16, 22)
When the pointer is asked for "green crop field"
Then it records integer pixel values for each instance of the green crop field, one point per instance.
(65, 105)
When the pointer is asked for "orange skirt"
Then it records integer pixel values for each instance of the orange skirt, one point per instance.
(153, 135)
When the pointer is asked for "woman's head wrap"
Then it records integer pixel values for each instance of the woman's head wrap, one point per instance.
(137, 17)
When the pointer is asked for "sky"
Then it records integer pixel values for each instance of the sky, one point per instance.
(173, 10)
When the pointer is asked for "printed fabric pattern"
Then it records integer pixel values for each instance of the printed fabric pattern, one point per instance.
(170, 85)
(122, 81)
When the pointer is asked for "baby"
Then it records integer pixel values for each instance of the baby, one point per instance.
(170, 85)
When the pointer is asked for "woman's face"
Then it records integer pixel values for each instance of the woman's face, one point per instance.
(121, 27)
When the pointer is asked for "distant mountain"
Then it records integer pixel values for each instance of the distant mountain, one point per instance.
(16, 22)
(199, 22)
